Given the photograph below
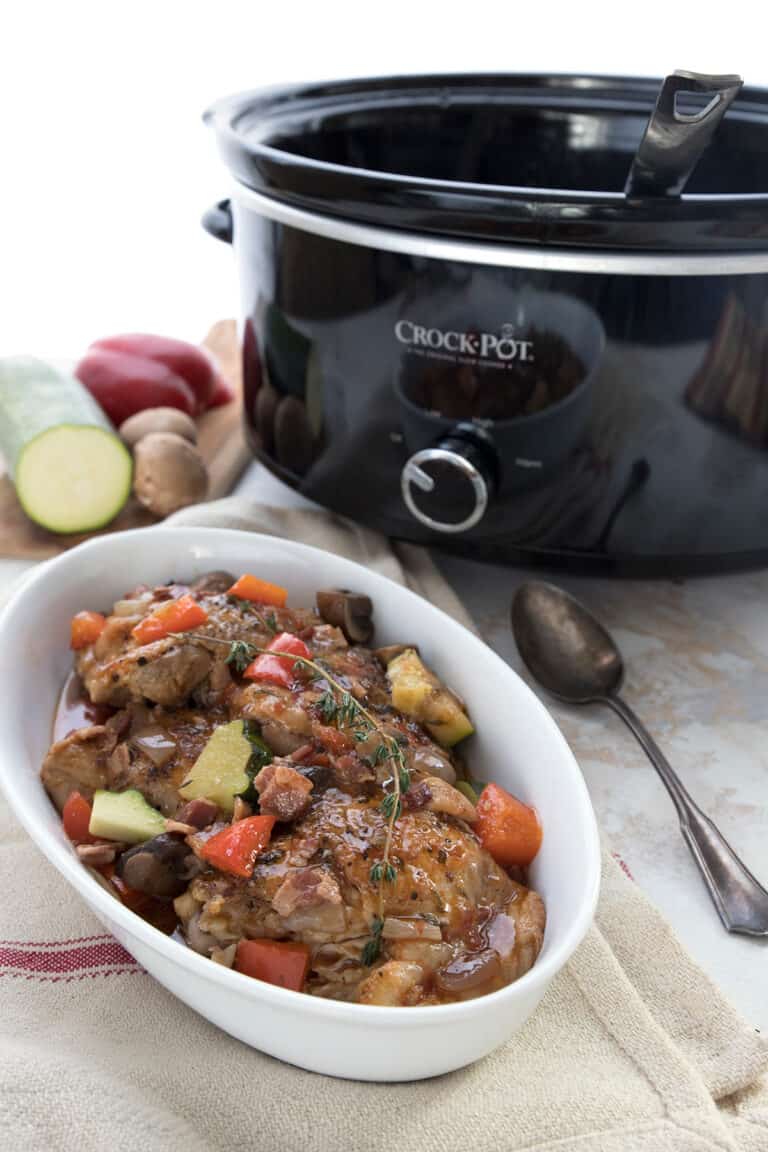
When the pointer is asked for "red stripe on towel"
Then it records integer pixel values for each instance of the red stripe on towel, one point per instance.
(622, 864)
(89, 959)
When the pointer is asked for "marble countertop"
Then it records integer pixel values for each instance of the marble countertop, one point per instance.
(697, 673)
(696, 655)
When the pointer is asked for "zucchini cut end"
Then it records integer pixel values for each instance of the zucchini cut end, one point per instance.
(73, 478)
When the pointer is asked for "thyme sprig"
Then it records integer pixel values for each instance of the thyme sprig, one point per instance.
(240, 654)
(372, 948)
(336, 705)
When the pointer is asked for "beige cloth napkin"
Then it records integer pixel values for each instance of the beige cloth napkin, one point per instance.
(633, 1047)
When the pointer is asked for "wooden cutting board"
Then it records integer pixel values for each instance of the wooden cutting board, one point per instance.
(221, 440)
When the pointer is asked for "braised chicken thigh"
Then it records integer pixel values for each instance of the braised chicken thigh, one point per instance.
(296, 794)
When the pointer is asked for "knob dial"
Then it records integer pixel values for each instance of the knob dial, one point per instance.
(447, 487)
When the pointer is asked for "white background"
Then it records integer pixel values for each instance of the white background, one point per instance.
(106, 166)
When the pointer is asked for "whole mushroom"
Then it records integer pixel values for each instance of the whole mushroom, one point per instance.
(169, 473)
(142, 424)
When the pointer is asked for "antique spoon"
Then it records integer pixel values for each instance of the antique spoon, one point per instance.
(571, 655)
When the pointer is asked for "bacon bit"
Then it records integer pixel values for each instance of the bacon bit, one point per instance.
(350, 772)
(306, 633)
(241, 809)
(417, 796)
(180, 828)
(283, 792)
(200, 813)
(95, 854)
(334, 740)
(306, 888)
(302, 754)
(119, 723)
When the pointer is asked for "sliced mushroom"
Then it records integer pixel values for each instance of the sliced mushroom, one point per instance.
(158, 867)
(213, 583)
(350, 611)
(391, 651)
(449, 800)
(282, 740)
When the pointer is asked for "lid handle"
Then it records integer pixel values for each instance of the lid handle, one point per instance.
(674, 139)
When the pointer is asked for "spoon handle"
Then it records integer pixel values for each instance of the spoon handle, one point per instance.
(742, 903)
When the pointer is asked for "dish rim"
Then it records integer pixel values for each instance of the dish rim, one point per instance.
(68, 865)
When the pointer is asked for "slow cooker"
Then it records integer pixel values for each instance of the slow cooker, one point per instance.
(519, 317)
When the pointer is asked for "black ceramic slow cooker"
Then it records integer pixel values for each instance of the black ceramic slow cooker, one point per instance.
(520, 317)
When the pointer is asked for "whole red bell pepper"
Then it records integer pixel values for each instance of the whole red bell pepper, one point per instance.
(124, 384)
(235, 849)
(278, 669)
(173, 616)
(187, 361)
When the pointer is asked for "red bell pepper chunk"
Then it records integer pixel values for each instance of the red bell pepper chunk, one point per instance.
(278, 669)
(261, 591)
(76, 816)
(173, 616)
(281, 962)
(235, 849)
(85, 629)
(508, 829)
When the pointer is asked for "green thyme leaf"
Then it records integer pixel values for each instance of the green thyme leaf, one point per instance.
(242, 605)
(390, 873)
(240, 655)
(376, 872)
(391, 804)
(327, 707)
(372, 949)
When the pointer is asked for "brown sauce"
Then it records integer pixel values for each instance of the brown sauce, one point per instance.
(75, 710)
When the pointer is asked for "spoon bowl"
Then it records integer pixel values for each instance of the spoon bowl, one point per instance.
(565, 648)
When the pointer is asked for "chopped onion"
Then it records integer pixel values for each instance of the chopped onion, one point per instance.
(429, 760)
(469, 971)
(185, 906)
(410, 928)
(155, 743)
(225, 956)
(501, 934)
(130, 607)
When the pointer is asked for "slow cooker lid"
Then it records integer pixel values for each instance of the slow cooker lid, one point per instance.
(529, 159)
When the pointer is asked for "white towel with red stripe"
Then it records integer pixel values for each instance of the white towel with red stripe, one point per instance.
(632, 1049)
